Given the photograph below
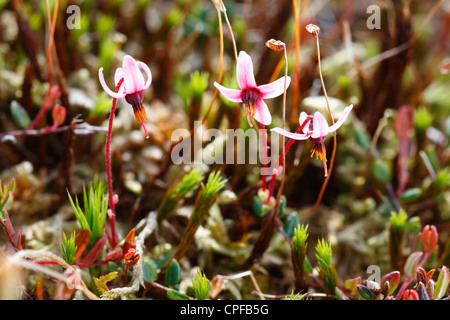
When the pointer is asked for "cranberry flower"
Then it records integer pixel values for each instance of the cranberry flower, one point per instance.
(316, 132)
(133, 88)
(250, 94)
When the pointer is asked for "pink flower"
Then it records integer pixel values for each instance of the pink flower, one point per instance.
(133, 88)
(316, 132)
(250, 94)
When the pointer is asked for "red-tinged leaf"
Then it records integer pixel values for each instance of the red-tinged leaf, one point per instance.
(421, 275)
(129, 243)
(351, 284)
(81, 242)
(393, 278)
(430, 274)
(412, 262)
(115, 256)
(441, 283)
(17, 238)
(94, 253)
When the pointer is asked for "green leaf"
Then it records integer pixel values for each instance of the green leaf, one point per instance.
(412, 262)
(362, 139)
(283, 203)
(441, 284)
(20, 115)
(365, 292)
(410, 195)
(149, 270)
(422, 119)
(258, 207)
(176, 295)
(443, 178)
(173, 274)
(413, 226)
(291, 222)
(380, 172)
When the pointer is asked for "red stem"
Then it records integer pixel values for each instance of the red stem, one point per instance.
(44, 262)
(288, 146)
(112, 238)
(264, 150)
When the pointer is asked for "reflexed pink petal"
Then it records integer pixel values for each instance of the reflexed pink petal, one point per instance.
(231, 94)
(320, 126)
(244, 71)
(145, 67)
(106, 88)
(291, 135)
(301, 119)
(274, 89)
(341, 120)
(262, 113)
(134, 81)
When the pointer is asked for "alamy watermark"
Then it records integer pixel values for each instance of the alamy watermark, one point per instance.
(375, 273)
(373, 21)
(74, 20)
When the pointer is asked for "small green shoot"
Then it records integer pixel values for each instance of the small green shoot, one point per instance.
(69, 248)
(188, 183)
(327, 271)
(95, 210)
(201, 286)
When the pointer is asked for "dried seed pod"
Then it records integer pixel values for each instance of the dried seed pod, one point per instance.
(313, 29)
(275, 45)
(219, 5)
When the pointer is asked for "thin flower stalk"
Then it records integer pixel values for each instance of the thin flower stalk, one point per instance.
(288, 146)
(263, 134)
(283, 174)
(297, 16)
(314, 30)
(111, 215)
